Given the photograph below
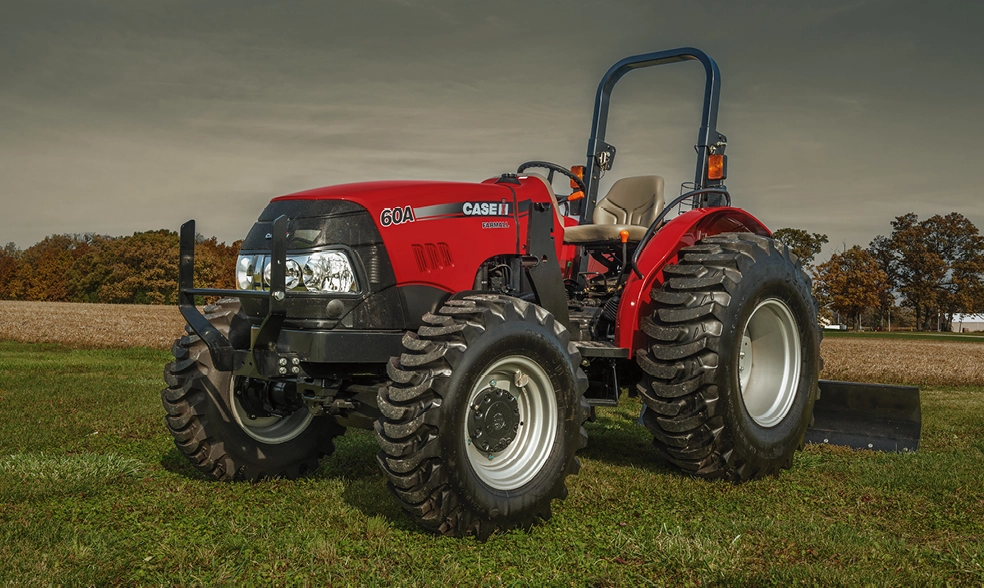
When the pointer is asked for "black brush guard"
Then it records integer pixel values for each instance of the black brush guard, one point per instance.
(264, 359)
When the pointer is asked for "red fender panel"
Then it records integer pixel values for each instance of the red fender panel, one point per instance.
(661, 251)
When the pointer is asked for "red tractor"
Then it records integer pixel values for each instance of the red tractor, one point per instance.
(474, 328)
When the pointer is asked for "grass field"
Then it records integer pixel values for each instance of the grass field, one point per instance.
(92, 491)
(975, 337)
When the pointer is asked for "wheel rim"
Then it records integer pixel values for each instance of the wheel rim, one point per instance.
(526, 454)
(272, 430)
(769, 362)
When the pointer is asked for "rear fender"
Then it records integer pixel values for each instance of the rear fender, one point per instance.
(662, 250)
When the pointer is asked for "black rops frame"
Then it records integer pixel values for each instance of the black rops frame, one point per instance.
(708, 138)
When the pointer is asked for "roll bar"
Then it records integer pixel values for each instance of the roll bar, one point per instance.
(600, 153)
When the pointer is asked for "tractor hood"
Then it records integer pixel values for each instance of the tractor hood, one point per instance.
(371, 194)
(346, 213)
(429, 231)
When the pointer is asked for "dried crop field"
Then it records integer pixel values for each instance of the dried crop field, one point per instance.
(890, 361)
(90, 325)
(904, 361)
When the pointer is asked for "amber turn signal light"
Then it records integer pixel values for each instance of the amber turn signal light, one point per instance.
(717, 167)
(576, 196)
(578, 171)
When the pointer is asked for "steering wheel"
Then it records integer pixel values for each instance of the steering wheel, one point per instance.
(553, 167)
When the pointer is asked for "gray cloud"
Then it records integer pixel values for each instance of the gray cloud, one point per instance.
(119, 117)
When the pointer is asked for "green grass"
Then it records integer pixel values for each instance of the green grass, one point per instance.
(92, 491)
(903, 335)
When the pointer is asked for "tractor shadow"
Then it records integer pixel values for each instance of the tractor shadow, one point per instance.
(352, 466)
(175, 462)
(363, 486)
(616, 438)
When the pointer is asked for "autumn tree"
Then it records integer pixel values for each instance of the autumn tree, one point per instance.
(87, 274)
(143, 268)
(935, 265)
(215, 263)
(959, 244)
(139, 269)
(851, 282)
(9, 262)
(43, 267)
(804, 245)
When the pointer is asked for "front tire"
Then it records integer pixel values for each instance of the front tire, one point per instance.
(733, 358)
(480, 426)
(213, 431)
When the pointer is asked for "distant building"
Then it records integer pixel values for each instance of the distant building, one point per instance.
(968, 323)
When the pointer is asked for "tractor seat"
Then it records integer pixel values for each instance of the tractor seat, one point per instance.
(631, 204)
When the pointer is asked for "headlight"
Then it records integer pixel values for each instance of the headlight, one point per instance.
(314, 274)
(338, 274)
(320, 271)
(244, 272)
(293, 277)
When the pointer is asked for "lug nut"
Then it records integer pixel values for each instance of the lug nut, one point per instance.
(283, 361)
(295, 369)
(283, 370)
(295, 361)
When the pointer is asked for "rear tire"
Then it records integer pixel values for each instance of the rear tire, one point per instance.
(212, 430)
(733, 358)
(480, 426)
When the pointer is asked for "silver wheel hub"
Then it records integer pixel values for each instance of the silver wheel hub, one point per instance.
(511, 423)
(769, 362)
(272, 430)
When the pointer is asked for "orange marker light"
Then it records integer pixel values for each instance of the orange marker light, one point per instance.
(715, 167)
(579, 172)
(624, 235)
(576, 196)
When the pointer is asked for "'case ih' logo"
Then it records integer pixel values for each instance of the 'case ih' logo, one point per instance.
(396, 216)
(485, 208)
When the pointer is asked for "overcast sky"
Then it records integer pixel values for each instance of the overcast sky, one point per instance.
(127, 116)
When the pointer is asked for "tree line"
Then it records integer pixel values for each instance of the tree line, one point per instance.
(922, 274)
(137, 269)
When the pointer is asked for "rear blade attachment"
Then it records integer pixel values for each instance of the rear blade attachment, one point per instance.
(878, 417)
